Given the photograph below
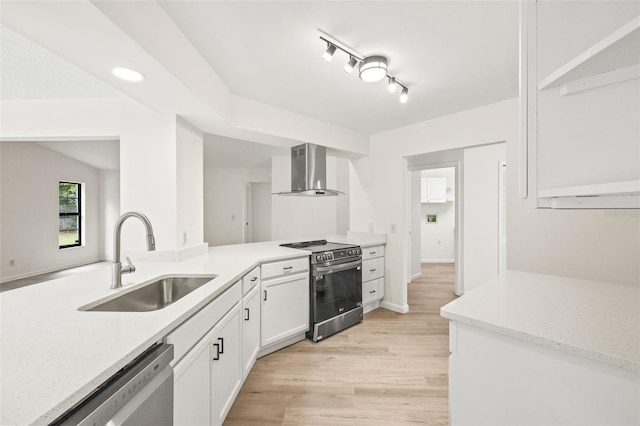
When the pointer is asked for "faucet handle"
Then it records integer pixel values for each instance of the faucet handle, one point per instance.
(129, 268)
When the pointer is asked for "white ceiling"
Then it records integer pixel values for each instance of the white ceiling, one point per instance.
(453, 55)
(103, 155)
(29, 71)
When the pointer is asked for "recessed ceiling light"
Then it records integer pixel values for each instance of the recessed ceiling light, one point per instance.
(128, 74)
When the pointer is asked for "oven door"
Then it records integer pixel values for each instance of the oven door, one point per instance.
(336, 289)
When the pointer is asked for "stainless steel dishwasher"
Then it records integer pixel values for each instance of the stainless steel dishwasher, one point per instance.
(140, 394)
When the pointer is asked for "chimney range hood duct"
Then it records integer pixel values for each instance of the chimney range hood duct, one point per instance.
(309, 172)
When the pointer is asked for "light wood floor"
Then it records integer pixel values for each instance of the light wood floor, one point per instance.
(391, 369)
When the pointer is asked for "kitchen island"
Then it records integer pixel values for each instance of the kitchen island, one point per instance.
(538, 349)
(53, 355)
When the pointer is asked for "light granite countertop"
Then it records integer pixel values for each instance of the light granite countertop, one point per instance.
(595, 320)
(52, 355)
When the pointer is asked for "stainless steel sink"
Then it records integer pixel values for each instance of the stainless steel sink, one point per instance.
(153, 296)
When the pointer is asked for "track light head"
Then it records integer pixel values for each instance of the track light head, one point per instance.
(392, 84)
(350, 65)
(404, 96)
(373, 68)
(328, 54)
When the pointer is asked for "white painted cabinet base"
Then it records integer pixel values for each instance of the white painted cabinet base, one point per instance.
(499, 380)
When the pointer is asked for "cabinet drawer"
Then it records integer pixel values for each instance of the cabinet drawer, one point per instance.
(187, 334)
(372, 252)
(250, 280)
(372, 269)
(372, 290)
(285, 267)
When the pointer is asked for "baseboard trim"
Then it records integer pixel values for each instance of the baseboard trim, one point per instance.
(46, 271)
(437, 261)
(395, 308)
(415, 276)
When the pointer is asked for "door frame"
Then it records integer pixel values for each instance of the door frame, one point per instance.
(459, 225)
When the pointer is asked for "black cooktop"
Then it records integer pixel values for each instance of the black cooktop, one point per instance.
(318, 246)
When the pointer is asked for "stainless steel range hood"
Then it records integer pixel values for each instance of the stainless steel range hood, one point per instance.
(309, 172)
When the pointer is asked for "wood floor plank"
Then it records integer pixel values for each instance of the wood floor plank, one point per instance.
(392, 369)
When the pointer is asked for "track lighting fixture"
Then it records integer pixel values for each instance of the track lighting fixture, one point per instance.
(350, 65)
(404, 96)
(372, 68)
(328, 54)
(392, 84)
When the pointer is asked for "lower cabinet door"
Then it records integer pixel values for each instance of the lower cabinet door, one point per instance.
(192, 386)
(227, 363)
(285, 307)
(250, 329)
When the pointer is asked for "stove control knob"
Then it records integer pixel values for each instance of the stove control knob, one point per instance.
(350, 252)
(329, 256)
(324, 257)
(318, 257)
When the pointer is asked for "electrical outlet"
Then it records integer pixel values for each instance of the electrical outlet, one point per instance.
(371, 227)
(393, 228)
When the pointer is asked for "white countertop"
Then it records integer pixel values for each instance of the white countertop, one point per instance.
(52, 355)
(595, 320)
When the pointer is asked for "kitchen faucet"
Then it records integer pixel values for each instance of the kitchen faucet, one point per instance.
(116, 267)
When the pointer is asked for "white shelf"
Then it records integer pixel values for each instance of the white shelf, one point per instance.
(629, 187)
(620, 49)
(623, 195)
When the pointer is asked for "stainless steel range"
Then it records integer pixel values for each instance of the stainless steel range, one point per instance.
(335, 287)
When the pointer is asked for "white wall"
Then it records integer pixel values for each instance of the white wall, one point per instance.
(190, 184)
(597, 244)
(437, 239)
(415, 269)
(224, 189)
(261, 211)
(29, 223)
(295, 217)
(109, 210)
(481, 219)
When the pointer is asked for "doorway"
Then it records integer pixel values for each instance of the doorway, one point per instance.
(435, 235)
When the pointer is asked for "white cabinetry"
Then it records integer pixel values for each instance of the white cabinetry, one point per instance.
(250, 329)
(285, 303)
(580, 102)
(208, 361)
(372, 277)
(433, 190)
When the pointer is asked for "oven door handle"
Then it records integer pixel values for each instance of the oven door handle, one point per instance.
(323, 270)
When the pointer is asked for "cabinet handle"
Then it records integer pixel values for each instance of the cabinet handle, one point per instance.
(254, 279)
(221, 340)
(372, 291)
(247, 311)
(372, 252)
(217, 357)
(372, 270)
(287, 268)
(265, 295)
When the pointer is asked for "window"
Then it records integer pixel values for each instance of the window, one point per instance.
(69, 234)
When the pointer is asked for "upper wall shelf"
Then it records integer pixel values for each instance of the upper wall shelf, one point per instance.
(618, 51)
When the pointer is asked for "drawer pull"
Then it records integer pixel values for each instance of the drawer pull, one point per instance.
(247, 311)
(372, 291)
(287, 268)
(372, 253)
(372, 270)
(254, 279)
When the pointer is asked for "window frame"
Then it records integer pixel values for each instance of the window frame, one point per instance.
(78, 215)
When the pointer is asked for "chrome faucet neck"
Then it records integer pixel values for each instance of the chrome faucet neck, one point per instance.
(116, 267)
